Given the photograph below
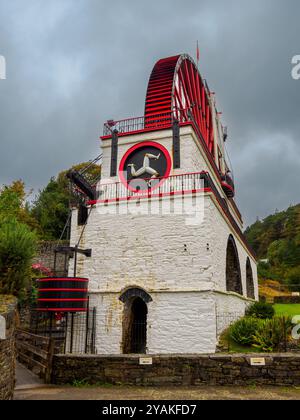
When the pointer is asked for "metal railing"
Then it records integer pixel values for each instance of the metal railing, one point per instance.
(168, 186)
(145, 188)
(71, 332)
(152, 121)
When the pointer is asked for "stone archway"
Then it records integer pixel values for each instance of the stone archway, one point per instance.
(249, 280)
(135, 321)
(233, 271)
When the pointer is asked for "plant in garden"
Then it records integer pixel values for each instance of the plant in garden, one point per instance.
(272, 333)
(261, 310)
(243, 330)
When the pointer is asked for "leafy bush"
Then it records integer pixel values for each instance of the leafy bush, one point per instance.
(243, 330)
(17, 248)
(271, 334)
(261, 310)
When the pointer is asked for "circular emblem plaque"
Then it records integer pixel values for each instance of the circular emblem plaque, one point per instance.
(145, 166)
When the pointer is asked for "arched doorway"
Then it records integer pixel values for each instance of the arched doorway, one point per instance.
(233, 271)
(249, 280)
(135, 321)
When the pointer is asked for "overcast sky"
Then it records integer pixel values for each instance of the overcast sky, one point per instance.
(73, 64)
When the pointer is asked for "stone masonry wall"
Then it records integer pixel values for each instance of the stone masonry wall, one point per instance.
(175, 269)
(280, 370)
(45, 256)
(177, 258)
(7, 349)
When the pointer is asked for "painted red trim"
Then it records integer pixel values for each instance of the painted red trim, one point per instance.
(147, 196)
(63, 290)
(139, 146)
(226, 212)
(144, 130)
(62, 300)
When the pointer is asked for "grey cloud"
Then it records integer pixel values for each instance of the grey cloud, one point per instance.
(73, 64)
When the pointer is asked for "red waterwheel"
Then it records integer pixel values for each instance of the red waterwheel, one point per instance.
(177, 90)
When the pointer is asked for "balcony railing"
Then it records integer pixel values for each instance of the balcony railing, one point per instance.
(183, 184)
(150, 122)
(159, 187)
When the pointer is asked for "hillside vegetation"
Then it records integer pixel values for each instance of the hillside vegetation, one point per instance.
(277, 239)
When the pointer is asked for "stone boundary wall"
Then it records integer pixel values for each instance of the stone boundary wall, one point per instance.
(280, 370)
(45, 255)
(7, 348)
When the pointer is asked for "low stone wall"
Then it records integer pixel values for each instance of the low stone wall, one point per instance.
(7, 348)
(281, 370)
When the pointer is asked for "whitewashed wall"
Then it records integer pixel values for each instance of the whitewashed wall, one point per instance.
(182, 266)
(175, 263)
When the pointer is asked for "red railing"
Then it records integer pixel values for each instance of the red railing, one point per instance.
(143, 188)
(149, 122)
(183, 184)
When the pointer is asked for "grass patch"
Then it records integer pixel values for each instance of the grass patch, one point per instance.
(234, 347)
(230, 346)
(287, 309)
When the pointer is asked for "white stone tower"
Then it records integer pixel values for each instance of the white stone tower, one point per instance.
(170, 266)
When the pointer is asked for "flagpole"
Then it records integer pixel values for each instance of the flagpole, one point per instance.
(198, 55)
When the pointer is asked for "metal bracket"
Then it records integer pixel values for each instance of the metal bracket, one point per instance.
(70, 250)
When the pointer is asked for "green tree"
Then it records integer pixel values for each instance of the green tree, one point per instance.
(277, 238)
(13, 205)
(51, 207)
(17, 240)
(17, 249)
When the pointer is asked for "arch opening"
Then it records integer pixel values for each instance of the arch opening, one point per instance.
(233, 271)
(135, 321)
(249, 280)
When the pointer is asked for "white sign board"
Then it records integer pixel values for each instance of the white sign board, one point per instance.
(2, 328)
(146, 361)
(259, 361)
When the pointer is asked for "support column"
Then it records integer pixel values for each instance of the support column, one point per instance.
(176, 145)
(114, 154)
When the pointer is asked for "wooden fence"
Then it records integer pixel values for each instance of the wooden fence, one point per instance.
(35, 352)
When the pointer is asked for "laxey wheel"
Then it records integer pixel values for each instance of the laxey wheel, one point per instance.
(176, 90)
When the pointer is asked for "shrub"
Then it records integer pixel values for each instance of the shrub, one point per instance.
(17, 248)
(243, 330)
(261, 310)
(271, 334)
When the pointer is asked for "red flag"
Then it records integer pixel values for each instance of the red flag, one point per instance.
(198, 52)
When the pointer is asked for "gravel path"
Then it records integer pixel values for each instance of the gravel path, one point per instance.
(30, 387)
(136, 393)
